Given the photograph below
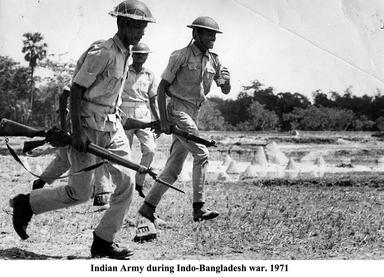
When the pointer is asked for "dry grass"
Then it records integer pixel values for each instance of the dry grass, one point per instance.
(329, 218)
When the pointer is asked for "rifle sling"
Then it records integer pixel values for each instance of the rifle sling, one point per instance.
(27, 168)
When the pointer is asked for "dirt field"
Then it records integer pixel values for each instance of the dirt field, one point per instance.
(339, 215)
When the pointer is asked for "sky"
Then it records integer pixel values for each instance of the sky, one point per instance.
(290, 45)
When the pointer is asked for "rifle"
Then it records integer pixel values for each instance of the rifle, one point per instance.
(155, 125)
(58, 138)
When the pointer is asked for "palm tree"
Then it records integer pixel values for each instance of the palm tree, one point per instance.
(35, 50)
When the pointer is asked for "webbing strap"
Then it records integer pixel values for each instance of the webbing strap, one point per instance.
(28, 169)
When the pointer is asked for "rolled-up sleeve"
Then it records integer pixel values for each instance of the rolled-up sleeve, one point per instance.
(94, 64)
(175, 61)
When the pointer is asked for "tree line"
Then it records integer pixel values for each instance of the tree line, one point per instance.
(261, 108)
(33, 100)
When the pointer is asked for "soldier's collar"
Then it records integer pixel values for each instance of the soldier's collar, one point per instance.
(119, 44)
(196, 51)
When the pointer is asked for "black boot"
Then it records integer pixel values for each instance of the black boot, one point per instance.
(22, 214)
(200, 213)
(101, 201)
(102, 248)
(145, 227)
(38, 184)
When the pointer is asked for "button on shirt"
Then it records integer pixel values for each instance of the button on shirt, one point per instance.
(101, 70)
(139, 87)
(190, 73)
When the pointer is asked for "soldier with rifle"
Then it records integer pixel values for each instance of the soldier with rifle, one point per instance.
(95, 95)
(60, 164)
(139, 102)
(187, 80)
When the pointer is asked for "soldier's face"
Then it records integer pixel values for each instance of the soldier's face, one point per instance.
(139, 58)
(207, 38)
(134, 31)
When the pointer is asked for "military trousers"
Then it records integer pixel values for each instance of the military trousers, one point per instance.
(184, 116)
(79, 187)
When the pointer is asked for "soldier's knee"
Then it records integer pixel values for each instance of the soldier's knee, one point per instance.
(78, 196)
(201, 157)
(148, 151)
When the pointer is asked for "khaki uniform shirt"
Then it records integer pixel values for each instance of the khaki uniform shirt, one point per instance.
(190, 73)
(102, 70)
(139, 87)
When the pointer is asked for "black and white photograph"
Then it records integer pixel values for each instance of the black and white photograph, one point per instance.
(217, 137)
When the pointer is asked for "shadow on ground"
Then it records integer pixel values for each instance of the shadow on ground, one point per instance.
(15, 253)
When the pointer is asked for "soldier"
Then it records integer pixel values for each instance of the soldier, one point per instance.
(95, 95)
(139, 102)
(60, 164)
(186, 80)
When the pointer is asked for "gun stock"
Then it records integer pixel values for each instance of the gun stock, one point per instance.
(175, 130)
(30, 145)
(12, 128)
(132, 123)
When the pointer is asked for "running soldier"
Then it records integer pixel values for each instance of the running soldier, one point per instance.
(139, 102)
(95, 95)
(187, 80)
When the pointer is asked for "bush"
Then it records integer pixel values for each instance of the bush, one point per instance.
(210, 118)
(320, 118)
(260, 119)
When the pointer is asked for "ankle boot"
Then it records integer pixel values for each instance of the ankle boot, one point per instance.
(102, 248)
(22, 214)
(200, 213)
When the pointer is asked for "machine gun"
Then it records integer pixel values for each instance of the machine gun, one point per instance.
(58, 138)
(155, 125)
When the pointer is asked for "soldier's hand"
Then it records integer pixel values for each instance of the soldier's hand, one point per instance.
(225, 73)
(140, 190)
(79, 142)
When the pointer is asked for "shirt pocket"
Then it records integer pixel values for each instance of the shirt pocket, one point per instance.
(112, 80)
(192, 72)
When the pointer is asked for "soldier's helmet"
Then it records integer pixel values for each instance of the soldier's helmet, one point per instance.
(140, 48)
(205, 22)
(133, 9)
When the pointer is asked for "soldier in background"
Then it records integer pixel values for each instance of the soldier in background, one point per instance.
(60, 164)
(139, 102)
